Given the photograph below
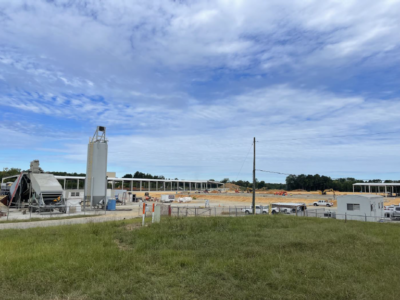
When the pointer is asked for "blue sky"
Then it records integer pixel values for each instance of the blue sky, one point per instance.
(183, 86)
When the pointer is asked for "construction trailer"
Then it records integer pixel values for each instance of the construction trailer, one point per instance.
(38, 190)
(287, 207)
(360, 207)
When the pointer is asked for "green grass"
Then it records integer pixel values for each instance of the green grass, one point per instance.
(255, 257)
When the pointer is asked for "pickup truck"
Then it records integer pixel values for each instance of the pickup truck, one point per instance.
(322, 203)
(393, 212)
(265, 210)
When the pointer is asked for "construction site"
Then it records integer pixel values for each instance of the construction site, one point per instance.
(35, 194)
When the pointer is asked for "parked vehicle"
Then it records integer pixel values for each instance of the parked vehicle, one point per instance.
(281, 193)
(391, 207)
(185, 199)
(323, 203)
(395, 213)
(330, 214)
(167, 198)
(286, 207)
(259, 210)
(286, 210)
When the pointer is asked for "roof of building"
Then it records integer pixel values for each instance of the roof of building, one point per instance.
(288, 204)
(376, 184)
(369, 196)
(132, 179)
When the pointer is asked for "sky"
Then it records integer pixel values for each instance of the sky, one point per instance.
(183, 86)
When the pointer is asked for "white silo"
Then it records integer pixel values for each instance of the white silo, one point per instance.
(96, 169)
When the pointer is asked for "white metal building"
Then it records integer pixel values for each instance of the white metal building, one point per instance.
(142, 184)
(391, 189)
(360, 207)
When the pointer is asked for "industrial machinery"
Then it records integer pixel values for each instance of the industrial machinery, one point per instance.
(96, 169)
(5, 188)
(326, 191)
(38, 190)
(281, 193)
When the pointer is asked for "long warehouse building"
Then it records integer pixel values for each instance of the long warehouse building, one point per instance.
(139, 184)
(391, 189)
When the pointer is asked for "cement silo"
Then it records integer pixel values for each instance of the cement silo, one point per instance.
(96, 169)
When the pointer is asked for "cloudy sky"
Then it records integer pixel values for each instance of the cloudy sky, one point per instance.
(184, 86)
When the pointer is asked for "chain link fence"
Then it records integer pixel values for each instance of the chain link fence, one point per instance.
(34, 213)
(236, 211)
(181, 211)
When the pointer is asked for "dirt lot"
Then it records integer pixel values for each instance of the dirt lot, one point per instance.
(227, 198)
(246, 199)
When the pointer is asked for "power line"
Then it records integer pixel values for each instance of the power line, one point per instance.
(237, 176)
(274, 172)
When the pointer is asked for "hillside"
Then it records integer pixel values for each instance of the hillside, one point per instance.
(275, 257)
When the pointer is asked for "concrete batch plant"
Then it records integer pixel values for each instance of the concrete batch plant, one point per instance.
(48, 191)
(96, 168)
(39, 190)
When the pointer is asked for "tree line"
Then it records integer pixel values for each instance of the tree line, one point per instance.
(293, 182)
(244, 184)
(308, 183)
(317, 182)
(138, 174)
(9, 172)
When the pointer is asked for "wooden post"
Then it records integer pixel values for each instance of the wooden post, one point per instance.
(254, 177)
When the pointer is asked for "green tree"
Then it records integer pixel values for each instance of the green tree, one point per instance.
(9, 172)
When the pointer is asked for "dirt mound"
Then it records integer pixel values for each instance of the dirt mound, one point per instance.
(272, 191)
(232, 186)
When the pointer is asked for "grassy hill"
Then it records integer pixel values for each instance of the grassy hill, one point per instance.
(262, 257)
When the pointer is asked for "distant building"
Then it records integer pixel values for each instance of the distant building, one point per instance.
(360, 207)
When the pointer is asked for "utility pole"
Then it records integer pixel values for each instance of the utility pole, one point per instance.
(254, 178)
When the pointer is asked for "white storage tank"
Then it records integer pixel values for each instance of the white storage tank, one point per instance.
(96, 169)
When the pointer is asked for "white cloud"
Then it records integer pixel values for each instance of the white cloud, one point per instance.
(190, 83)
(91, 34)
(216, 136)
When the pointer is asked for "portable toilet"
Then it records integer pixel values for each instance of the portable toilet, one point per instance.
(112, 204)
